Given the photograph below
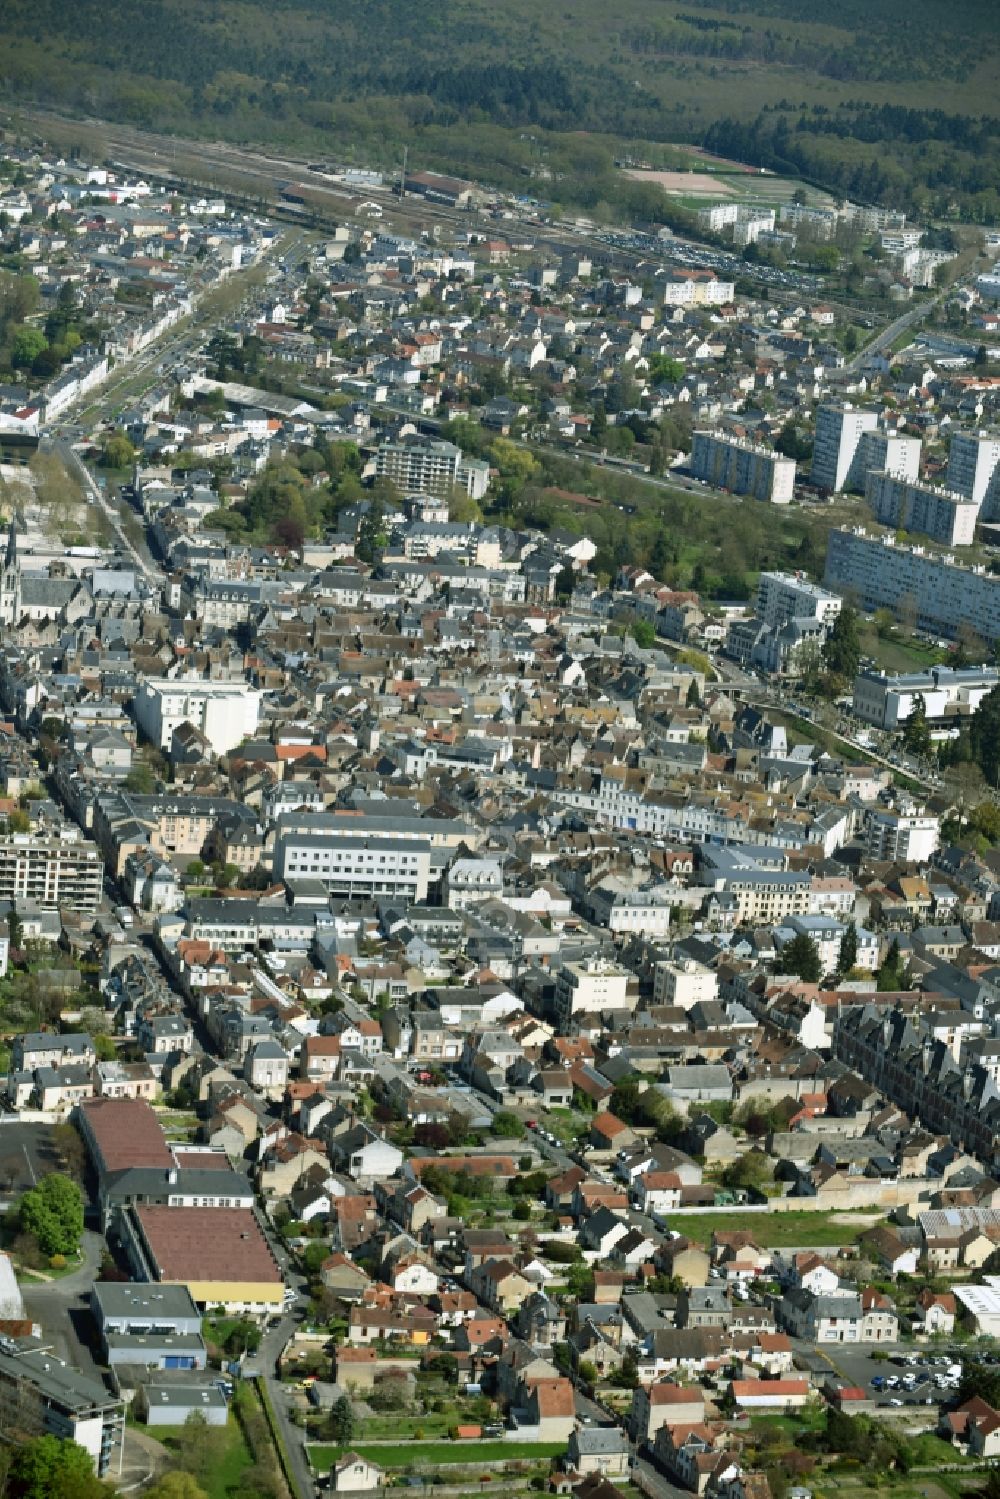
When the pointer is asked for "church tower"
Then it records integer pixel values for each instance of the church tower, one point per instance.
(10, 579)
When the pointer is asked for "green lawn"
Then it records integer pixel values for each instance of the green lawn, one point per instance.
(900, 652)
(810, 1418)
(440, 1453)
(796, 1229)
(386, 1427)
(929, 1450)
(227, 1474)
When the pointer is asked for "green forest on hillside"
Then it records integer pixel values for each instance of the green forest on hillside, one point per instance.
(877, 99)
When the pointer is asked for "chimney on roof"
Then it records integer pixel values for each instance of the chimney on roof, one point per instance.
(172, 1176)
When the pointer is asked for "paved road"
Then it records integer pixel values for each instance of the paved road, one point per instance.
(62, 1308)
(145, 565)
(272, 1344)
(652, 1481)
(888, 335)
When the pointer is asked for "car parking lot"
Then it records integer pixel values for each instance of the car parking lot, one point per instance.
(891, 1376)
(27, 1153)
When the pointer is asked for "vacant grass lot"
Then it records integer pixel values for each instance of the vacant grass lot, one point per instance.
(226, 1475)
(440, 1453)
(791, 1230)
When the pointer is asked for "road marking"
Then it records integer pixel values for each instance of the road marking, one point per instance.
(34, 1178)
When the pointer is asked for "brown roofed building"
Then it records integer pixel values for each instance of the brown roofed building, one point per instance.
(121, 1134)
(220, 1254)
(551, 1407)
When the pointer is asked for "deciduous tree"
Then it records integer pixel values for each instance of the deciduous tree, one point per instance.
(53, 1212)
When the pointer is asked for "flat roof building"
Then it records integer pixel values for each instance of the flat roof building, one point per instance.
(351, 867)
(40, 1395)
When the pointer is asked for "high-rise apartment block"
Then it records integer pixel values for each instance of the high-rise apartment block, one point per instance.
(974, 469)
(939, 513)
(848, 444)
(56, 870)
(742, 467)
(428, 466)
(934, 592)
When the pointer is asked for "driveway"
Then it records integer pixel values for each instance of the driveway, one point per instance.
(62, 1309)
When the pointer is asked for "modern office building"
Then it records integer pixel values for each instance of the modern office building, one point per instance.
(742, 467)
(54, 871)
(848, 444)
(941, 514)
(934, 592)
(40, 1395)
(225, 712)
(782, 597)
(973, 461)
(425, 466)
(149, 1326)
(356, 867)
(947, 693)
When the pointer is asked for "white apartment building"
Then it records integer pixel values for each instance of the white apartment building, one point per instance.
(895, 241)
(942, 514)
(470, 881)
(352, 867)
(884, 450)
(52, 871)
(742, 467)
(822, 221)
(786, 596)
(718, 216)
(972, 463)
(887, 701)
(909, 837)
(683, 288)
(748, 230)
(225, 712)
(944, 594)
(747, 220)
(423, 540)
(849, 443)
(839, 429)
(684, 984)
(643, 911)
(591, 986)
(423, 466)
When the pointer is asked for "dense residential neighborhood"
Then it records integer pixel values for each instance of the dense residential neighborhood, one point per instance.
(483, 1003)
